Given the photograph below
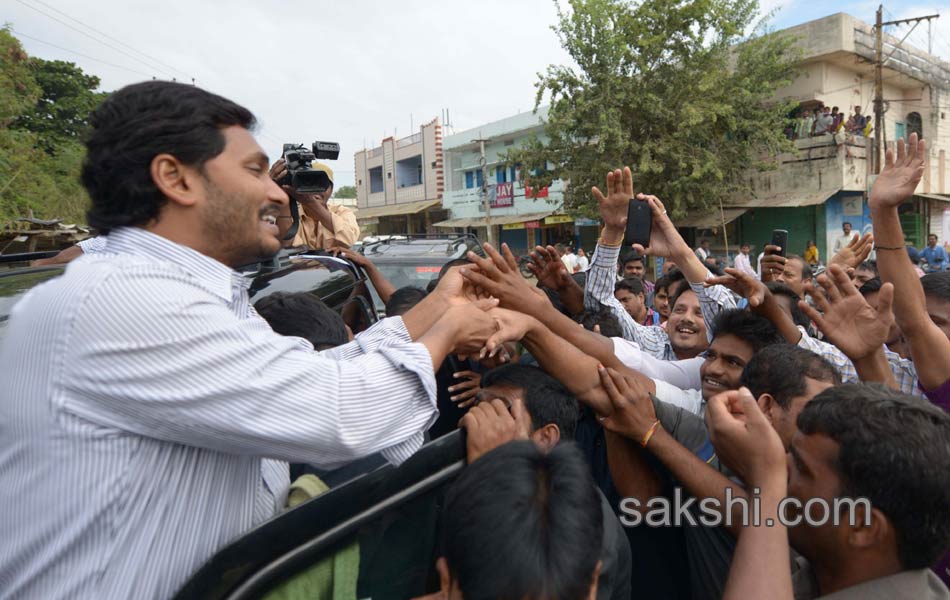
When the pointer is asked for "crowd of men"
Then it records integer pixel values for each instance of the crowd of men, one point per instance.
(150, 414)
(824, 120)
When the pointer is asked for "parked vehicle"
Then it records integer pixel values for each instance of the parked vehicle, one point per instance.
(416, 259)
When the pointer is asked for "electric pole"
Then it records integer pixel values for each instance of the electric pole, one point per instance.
(484, 191)
(879, 61)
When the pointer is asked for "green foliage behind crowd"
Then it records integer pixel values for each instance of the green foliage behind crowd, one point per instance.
(675, 89)
(44, 107)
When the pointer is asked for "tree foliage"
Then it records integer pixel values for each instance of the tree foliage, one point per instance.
(43, 110)
(672, 88)
(345, 192)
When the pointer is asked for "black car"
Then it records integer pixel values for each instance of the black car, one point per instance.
(338, 282)
(416, 260)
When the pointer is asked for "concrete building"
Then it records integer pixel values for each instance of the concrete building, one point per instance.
(826, 182)
(399, 184)
(519, 215)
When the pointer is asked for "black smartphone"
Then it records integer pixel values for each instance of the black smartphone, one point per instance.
(639, 223)
(780, 239)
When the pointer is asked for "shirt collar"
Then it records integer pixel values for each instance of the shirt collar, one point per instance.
(220, 279)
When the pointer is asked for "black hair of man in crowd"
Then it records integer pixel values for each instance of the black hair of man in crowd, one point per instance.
(403, 300)
(606, 321)
(894, 450)
(122, 143)
(545, 399)
(781, 371)
(302, 314)
(750, 327)
(791, 300)
(519, 523)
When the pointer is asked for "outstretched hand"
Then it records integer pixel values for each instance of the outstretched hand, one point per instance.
(613, 206)
(744, 439)
(855, 253)
(492, 424)
(743, 284)
(549, 269)
(498, 276)
(846, 318)
(632, 409)
(901, 174)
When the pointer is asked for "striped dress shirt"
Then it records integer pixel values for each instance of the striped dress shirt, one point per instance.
(146, 408)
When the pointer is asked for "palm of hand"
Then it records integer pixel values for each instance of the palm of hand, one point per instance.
(896, 183)
(613, 209)
(855, 327)
(553, 275)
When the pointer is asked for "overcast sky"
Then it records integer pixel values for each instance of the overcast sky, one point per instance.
(350, 72)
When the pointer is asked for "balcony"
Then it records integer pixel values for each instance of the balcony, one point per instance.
(409, 140)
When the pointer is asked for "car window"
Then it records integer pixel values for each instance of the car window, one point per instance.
(386, 520)
(327, 277)
(14, 286)
(418, 275)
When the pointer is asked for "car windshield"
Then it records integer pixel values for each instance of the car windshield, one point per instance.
(14, 286)
(401, 275)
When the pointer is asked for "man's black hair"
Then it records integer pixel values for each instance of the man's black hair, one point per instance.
(678, 285)
(807, 273)
(894, 450)
(520, 524)
(848, 223)
(303, 315)
(134, 125)
(779, 288)
(662, 283)
(632, 256)
(937, 285)
(545, 399)
(605, 318)
(750, 327)
(780, 370)
(869, 266)
(871, 286)
(455, 262)
(634, 285)
(404, 299)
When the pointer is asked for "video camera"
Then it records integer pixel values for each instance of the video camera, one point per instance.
(299, 159)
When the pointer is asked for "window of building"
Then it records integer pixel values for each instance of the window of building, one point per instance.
(375, 180)
(479, 181)
(409, 171)
(915, 124)
(469, 179)
(900, 131)
(501, 175)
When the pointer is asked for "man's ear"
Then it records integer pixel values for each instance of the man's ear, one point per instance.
(174, 180)
(547, 437)
(767, 403)
(863, 535)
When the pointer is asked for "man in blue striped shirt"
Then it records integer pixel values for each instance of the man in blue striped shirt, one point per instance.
(146, 407)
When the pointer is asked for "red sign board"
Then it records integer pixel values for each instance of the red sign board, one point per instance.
(532, 225)
(529, 192)
(504, 195)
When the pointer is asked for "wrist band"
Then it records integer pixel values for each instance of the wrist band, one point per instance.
(649, 434)
(890, 247)
(602, 242)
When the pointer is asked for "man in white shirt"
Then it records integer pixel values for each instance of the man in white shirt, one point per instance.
(583, 263)
(743, 262)
(568, 258)
(845, 238)
(144, 401)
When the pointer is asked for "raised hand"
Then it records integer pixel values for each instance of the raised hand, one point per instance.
(744, 439)
(846, 318)
(549, 269)
(466, 390)
(498, 276)
(492, 424)
(613, 206)
(743, 284)
(665, 240)
(510, 326)
(772, 263)
(472, 324)
(632, 413)
(901, 175)
(354, 257)
(855, 253)
(455, 288)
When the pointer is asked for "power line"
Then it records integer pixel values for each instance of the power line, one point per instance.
(119, 50)
(23, 35)
(106, 35)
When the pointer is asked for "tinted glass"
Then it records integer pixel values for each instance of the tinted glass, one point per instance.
(329, 278)
(418, 275)
(14, 287)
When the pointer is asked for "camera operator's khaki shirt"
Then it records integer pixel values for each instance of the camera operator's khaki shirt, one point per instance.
(313, 234)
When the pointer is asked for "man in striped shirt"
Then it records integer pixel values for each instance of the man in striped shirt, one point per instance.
(143, 398)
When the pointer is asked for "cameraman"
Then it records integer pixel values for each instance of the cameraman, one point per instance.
(322, 225)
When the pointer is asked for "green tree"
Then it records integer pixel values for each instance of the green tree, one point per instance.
(40, 160)
(673, 89)
(62, 111)
(346, 191)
